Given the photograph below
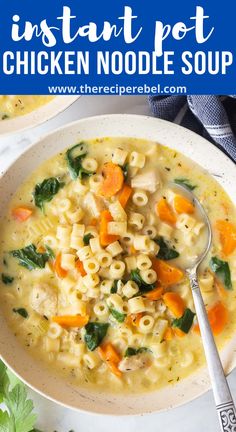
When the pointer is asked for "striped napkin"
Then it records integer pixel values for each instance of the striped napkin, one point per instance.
(213, 117)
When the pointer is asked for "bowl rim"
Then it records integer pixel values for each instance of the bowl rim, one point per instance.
(108, 117)
(218, 150)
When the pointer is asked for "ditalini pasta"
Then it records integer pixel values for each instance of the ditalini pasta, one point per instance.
(94, 248)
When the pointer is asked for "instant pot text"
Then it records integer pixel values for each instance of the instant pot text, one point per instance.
(128, 29)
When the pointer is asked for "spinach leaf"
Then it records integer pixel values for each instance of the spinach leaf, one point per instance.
(222, 270)
(94, 334)
(185, 322)
(50, 252)
(120, 317)
(6, 279)
(21, 311)
(165, 253)
(185, 182)
(74, 157)
(125, 169)
(86, 238)
(45, 191)
(114, 287)
(29, 257)
(143, 286)
(134, 351)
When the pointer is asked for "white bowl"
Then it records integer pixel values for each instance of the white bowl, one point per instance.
(37, 116)
(35, 374)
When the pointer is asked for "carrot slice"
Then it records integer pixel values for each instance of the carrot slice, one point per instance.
(133, 319)
(178, 332)
(21, 213)
(108, 354)
(114, 368)
(105, 238)
(165, 212)
(71, 320)
(80, 267)
(113, 179)
(220, 288)
(166, 274)
(124, 195)
(183, 205)
(155, 294)
(111, 353)
(93, 222)
(227, 236)
(175, 303)
(168, 335)
(218, 317)
(101, 352)
(41, 249)
(132, 250)
(61, 273)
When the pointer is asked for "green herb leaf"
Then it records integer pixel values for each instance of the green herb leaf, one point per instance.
(143, 286)
(134, 351)
(45, 191)
(18, 416)
(21, 311)
(222, 270)
(6, 279)
(185, 322)
(87, 237)
(5, 422)
(95, 333)
(125, 169)
(21, 408)
(4, 381)
(165, 253)
(114, 287)
(185, 182)
(74, 157)
(120, 317)
(5, 116)
(31, 259)
(50, 252)
(37, 430)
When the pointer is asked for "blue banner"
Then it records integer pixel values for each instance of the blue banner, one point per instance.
(119, 47)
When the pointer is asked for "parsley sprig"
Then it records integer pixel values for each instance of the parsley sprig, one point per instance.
(18, 416)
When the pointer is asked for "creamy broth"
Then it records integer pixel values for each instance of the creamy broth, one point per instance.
(17, 105)
(94, 297)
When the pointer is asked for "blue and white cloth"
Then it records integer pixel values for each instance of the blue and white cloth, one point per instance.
(213, 117)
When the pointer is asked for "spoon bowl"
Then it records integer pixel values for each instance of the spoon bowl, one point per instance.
(205, 219)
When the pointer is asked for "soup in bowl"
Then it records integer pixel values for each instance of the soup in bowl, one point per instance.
(15, 105)
(20, 112)
(94, 247)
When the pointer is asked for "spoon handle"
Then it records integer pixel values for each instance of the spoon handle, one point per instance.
(224, 403)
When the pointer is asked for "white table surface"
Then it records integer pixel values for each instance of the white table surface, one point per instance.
(196, 416)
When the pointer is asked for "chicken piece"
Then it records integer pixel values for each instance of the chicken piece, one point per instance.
(149, 181)
(134, 363)
(43, 299)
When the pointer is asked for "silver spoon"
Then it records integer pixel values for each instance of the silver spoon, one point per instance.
(223, 399)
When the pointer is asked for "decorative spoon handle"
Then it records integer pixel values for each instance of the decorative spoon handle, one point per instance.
(224, 403)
